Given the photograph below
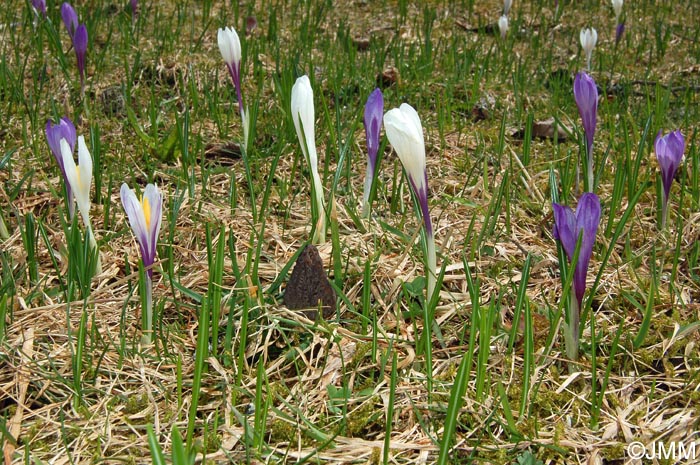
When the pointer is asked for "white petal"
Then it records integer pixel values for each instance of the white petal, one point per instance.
(303, 116)
(405, 133)
(134, 212)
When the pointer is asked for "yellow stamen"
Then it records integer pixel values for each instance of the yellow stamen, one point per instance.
(77, 172)
(146, 211)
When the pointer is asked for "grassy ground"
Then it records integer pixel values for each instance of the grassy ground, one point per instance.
(261, 383)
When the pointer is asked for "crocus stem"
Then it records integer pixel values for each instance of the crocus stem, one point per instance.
(590, 168)
(245, 122)
(96, 251)
(664, 211)
(147, 317)
(368, 188)
(320, 233)
(572, 326)
(431, 260)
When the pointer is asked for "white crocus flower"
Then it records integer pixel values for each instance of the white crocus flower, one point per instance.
(589, 37)
(303, 117)
(230, 46)
(405, 133)
(80, 178)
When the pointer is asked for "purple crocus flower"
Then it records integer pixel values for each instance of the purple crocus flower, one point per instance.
(145, 218)
(70, 19)
(374, 112)
(64, 129)
(567, 228)
(586, 96)
(40, 7)
(134, 4)
(669, 152)
(80, 42)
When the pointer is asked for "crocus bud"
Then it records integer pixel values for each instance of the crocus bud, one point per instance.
(134, 5)
(80, 43)
(586, 96)
(669, 153)
(503, 26)
(65, 130)
(405, 133)
(506, 6)
(589, 37)
(70, 18)
(617, 8)
(230, 47)
(374, 111)
(303, 116)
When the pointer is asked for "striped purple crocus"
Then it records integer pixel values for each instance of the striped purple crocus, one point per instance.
(568, 226)
(405, 133)
(64, 129)
(70, 19)
(145, 217)
(669, 153)
(80, 43)
(586, 96)
(374, 111)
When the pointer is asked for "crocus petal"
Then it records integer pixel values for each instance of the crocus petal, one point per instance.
(503, 26)
(303, 116)
(79, 177)
(40, 6)
(64, 129)
(565, 228)
(617, 7)
(80, 42)
(70, 18)
(587, 220)
(137, 220)
(374, 111)
(506, 6)
(155, 201)
(586, 96)
(405, 133)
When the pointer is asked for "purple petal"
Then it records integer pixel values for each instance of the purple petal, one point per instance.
(586, 96)
(374, 112)
(40, 6)
(565, 228)
(64, 129)
(70, 18)
(587, 220)
(80, 42)
(619, 30)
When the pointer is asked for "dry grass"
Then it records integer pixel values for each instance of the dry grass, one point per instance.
(652, 392)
